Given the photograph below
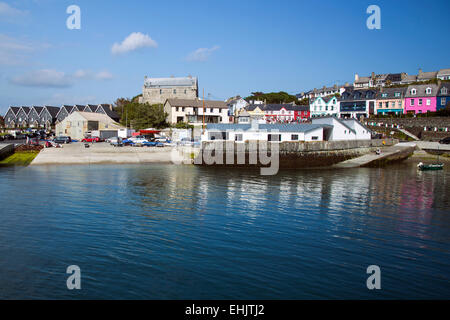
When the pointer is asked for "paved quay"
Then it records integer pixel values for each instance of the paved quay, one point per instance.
(98, 153)
(386, 152)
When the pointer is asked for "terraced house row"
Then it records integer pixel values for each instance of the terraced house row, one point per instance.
(47, 117)
(354, 103)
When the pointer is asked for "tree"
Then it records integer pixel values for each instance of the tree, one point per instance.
(272, 97)
(2, 121)
(143, 115)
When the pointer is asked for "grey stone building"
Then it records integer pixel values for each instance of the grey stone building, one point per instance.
(11, 117)
(158, 90)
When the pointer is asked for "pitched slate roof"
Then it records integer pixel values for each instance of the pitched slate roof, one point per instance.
(26, 109)
(443, 72)
(79, 107)
(38, 109)
(197, 103)
(169, 82)
(390, 93)
(111, 113)
(68, 108)
(15, 110)
(427, 75)
(52, 110)
(421, 90)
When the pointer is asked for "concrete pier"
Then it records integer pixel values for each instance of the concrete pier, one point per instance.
(397, 152)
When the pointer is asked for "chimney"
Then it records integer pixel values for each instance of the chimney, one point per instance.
(439, 82)
(420, 70)
(356, 77)
(324, 87)
(111, 107)
(335, 86)
(346, 84)
(373, 75)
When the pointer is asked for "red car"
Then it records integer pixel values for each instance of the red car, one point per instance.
(92, 139)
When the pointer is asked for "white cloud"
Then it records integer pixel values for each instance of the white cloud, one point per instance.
(43, 78)
(49, 78)
(10, 12)
(13, 51)
(104, 75)
(134, 41)
(201, 54)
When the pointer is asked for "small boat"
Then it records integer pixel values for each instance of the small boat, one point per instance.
(434, 166)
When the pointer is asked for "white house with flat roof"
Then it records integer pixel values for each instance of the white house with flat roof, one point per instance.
(266, 132)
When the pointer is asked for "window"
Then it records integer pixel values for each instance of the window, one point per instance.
(185, 91)
(380, 104)
(294, 137)
(397, 94)
(413, 91)
(160, 92)
(442, 101)
(238, 137)
(392, 104)
(428, 102)
(399, 103)
(384, 95)
(412, 102)
(314, 138)
(444, 90)
(274, 137)
(174, 91)
(428, 90)
(420, 102)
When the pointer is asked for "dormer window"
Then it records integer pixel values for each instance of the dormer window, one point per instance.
(397, 94)
(428, 91)
(384, 95)
(413, 91)
(444, 90)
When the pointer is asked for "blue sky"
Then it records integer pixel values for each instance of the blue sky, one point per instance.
(233, 47)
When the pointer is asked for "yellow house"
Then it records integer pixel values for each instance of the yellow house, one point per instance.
(255, 111)
(78, 123)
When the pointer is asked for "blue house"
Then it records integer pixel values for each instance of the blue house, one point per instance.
(443, 96)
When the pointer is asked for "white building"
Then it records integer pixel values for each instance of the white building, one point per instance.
(235, 105)
(339, 129)
(265, 132)
(324, 106)
(77, 124)
(194, 111)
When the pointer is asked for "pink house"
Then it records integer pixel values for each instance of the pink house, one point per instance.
(421, 98)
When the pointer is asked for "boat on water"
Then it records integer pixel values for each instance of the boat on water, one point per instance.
(434, 166)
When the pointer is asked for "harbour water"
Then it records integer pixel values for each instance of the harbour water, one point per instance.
(182, 232)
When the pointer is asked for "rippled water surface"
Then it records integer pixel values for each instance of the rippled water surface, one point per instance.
(180, 232)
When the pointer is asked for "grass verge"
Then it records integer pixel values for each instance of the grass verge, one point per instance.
(19, 158)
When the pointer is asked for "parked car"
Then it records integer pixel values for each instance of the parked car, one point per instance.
(91, 139)
(62, 139)
(445, 141)
(8, 137)
(112, 139)
(139, 139)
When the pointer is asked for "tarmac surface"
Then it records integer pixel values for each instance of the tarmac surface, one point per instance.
(102, 152)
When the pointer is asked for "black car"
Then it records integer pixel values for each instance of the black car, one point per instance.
(62, 139)
(445, 141)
